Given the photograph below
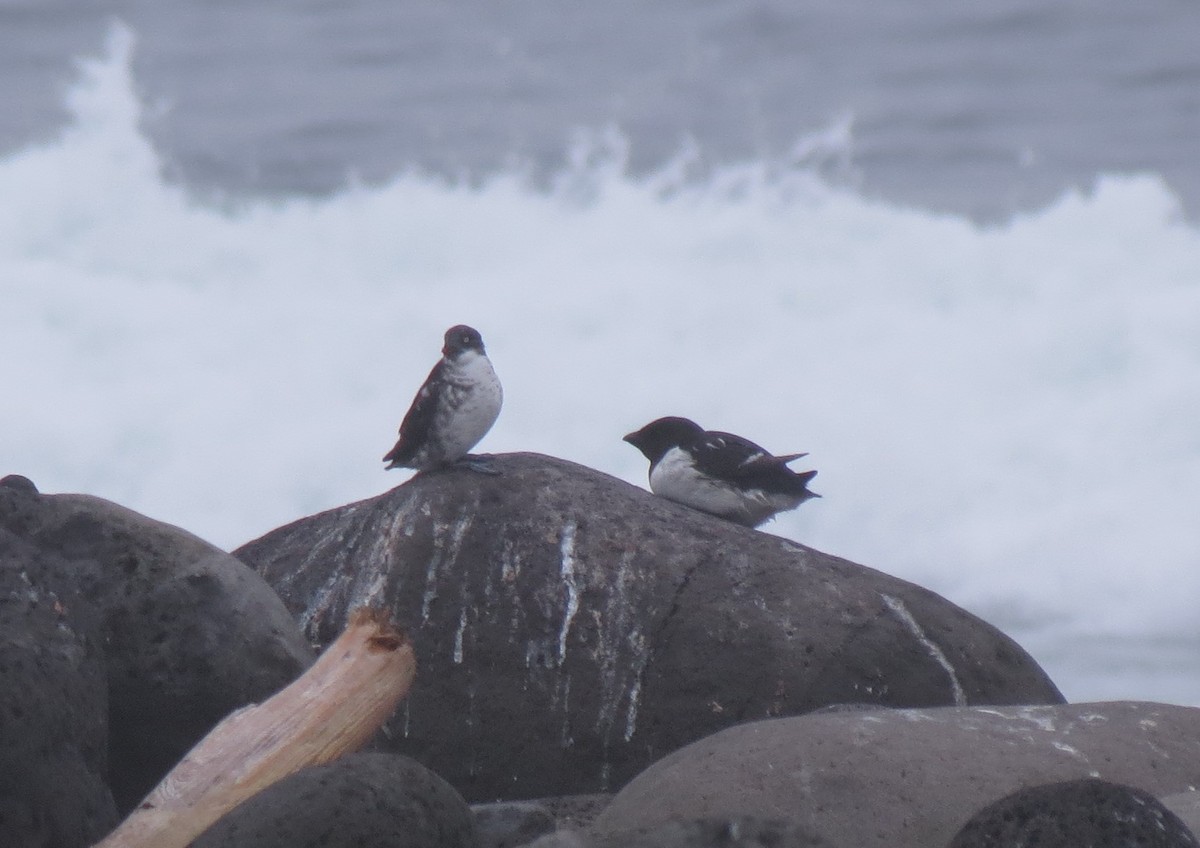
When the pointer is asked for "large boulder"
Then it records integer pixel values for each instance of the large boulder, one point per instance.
(1186, 805)
(360, 801)
(723, 832)
(53, 704)
(909, 778)
(190, 633)
(1090, 812)
(571, 628)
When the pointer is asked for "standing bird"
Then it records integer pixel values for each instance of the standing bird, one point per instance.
(719, 473)
(458, 403)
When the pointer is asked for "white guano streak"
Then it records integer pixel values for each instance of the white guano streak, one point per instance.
(631, 712)
(901, 611)
(442, 553)
(458, 637)
(566, 550)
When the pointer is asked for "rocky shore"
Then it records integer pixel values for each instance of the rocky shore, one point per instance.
(647, 674)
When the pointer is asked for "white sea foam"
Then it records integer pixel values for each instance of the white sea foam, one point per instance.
(1009, 416)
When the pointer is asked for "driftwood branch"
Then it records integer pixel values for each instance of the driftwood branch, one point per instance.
(333, 708)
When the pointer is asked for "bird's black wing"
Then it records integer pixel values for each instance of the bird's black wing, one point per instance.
(414, 429)
(747, 465)
(725, 455)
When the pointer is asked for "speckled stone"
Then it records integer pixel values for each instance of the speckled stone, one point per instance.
(359, 801)
(1186, 805)
(571, 628)
(509, 824)
(724, 832)
(908, 778)
(190, 633)
(1089, 812)
(53, 702)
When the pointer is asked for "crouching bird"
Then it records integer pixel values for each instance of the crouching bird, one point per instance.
(719, 473)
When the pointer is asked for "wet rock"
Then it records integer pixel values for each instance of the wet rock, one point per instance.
(190, 633)
(1088, 812)
(359, 801)
(908, 778)
(508, 824)
(571, 628)
(53, 705)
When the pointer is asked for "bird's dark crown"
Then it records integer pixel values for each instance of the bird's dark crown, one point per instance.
(460, 338)
(662, 434)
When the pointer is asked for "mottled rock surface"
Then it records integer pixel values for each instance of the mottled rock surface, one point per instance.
(53, 703)
(571, 628)
(190, 633)
(509, 824)
(909, 778)
(1090, 812)
(1186, 805)
(576, 811)
(358, 801)
(723, 832)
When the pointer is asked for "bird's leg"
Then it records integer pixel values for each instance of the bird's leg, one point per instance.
(479, 463)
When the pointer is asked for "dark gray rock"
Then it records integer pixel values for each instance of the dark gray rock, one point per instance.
(19, 484)
(508, 824)
(359, 801)
(571, 628)
(1186, 805)
(1089, 812)
(908, 778)
(562, 839)
(567, 815)
(576, 811)
(53, 704)
(727, 832)
(190, 633)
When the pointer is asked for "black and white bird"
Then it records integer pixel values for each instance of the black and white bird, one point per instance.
(719, 473)
(458, 403)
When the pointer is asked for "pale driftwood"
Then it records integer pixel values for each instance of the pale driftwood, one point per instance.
(333, 708)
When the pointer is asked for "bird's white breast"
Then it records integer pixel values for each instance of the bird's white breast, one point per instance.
(675, 478)
(469, 405)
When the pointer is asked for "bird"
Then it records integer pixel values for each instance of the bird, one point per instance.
(719, 473)
(455, 407)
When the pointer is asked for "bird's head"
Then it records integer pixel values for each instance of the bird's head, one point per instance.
(460, 339)
(660, 435)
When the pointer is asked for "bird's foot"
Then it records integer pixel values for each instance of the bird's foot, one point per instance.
(479, 463)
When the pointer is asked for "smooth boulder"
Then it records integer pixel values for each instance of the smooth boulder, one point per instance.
(190, 633)
(909, 778)
(510, 824)
(359, 801)
(571, 628)
(53, 703)
(1186, 805)
(1090, 812)
(720, 832)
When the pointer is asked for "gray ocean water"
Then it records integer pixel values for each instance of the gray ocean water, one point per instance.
(1003, 414)
(980, 109)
